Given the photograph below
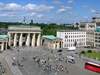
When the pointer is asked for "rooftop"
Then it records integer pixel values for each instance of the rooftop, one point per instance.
(97, 29)
(23, 27)
(3, 37)
(70, 31)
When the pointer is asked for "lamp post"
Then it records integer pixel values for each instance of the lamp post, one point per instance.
(18, 51)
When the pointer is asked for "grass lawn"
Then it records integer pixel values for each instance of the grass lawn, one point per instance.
(93, 54)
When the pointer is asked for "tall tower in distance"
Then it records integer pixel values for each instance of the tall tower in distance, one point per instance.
(24, 20)
(31, 23)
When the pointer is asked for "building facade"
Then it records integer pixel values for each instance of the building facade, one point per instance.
(3, 42)
(87, 26)
(97, 38)
(51, 42)
(72, 38)
(24, 36)
(90, 28)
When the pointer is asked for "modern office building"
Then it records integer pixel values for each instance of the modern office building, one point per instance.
(72, 38)
(24, 36)
(51, 42)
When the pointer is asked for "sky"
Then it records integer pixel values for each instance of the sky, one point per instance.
(48, 11)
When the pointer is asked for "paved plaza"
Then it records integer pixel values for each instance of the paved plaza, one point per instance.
(30, 67)
(27, 60)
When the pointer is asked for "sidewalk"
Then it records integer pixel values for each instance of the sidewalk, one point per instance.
(7, 56)
(15, 70)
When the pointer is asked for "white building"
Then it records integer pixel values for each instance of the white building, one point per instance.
(24, 36)
(72, 38)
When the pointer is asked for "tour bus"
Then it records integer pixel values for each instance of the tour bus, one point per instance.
(92, 67)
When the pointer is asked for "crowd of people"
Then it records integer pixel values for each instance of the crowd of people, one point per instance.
(55, 64)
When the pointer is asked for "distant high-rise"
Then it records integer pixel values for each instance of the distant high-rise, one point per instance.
(96, 19)
(24, 20)
(31, 22)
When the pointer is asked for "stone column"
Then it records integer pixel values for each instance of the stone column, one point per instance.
(21, 39)
(6, 45)
(15, 39)
(38, 40)
(33, 40)
(53, 46)
(2, 46)
(28, 40)
(9, 40)
(58, 46)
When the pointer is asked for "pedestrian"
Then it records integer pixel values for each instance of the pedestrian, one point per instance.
(66, 70)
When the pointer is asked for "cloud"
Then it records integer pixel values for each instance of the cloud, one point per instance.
(12, 7)
(33, 14)
(70, 1)
(93, 10)
(64, 9)
(38, 8)
(7, 14)
(68, 7)
(40, 15)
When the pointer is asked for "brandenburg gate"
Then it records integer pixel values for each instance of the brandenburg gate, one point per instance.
(24, 36)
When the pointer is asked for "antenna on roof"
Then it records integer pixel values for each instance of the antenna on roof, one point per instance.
(24, 20)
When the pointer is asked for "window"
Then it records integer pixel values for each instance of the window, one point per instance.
(66, 36)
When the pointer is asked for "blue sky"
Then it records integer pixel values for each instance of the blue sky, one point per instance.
(48, 11)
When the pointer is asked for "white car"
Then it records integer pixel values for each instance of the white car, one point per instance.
(71, 59)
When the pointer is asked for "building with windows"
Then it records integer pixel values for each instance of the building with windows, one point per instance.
(97, 37)
(96, 20)
(87, 26)
(90, 28)
(3, 42)
(51, 42)
(24, 36)
(72, 38)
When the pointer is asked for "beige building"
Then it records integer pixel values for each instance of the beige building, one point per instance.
(24, 36)
(51, 42)
(90, 28)
(3, 42)
(87, 26)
